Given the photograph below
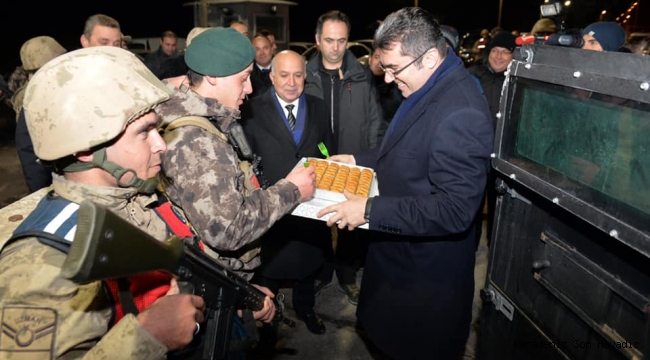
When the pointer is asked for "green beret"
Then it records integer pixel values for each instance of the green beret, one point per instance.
(219, 52)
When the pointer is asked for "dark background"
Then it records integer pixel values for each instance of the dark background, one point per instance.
(146, 18)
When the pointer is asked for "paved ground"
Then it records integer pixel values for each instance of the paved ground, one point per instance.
(341, 341)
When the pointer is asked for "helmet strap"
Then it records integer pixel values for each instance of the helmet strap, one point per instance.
(99, 161)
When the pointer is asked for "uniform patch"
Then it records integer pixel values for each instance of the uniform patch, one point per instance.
(27, 332)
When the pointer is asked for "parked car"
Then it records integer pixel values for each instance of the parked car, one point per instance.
(300, 46)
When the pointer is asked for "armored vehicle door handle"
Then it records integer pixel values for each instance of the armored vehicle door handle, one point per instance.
(541, 264)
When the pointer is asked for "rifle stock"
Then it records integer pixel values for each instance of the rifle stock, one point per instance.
(106, 247)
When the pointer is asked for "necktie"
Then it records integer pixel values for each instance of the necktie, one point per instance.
(290, 117)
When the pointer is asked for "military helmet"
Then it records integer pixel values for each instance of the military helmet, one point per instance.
(86, 98)
(35, 52)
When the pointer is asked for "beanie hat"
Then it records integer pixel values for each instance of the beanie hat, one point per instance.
(219, 52)
(609, 34)
(504, 40)
(451, 35)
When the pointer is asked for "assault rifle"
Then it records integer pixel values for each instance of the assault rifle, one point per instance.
(106, 247)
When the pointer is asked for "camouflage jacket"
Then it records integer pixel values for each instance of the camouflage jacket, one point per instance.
(205, 181)
(69, 320)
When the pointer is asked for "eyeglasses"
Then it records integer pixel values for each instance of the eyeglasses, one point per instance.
(396, 72)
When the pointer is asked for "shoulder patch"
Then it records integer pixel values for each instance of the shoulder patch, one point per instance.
(27, 331)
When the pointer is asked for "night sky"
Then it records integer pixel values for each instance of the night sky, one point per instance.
(145, 18)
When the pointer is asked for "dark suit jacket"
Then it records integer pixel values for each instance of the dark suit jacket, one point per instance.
(292, 248)
(418, 283)
(260, 81)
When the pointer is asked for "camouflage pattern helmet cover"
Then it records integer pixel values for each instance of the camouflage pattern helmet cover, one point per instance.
(86, 98)
(194, 33)
(35, 52)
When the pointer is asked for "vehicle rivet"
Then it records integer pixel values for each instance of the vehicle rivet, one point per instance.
(556, 200)
(613, 234)
(527, 66)
(577, 74)
(513, 176)
(493, 155)
(499, 115)
(645, 86)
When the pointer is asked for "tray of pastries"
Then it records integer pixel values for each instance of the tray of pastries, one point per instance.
(332, 178)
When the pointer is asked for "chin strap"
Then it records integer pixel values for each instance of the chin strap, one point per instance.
(99, 160)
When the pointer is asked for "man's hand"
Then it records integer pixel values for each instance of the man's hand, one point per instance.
(267, 314)
(305, 179)
(346, 159)
(172, 319)
(348, 213)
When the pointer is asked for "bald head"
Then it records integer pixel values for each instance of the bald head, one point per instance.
(288, 75)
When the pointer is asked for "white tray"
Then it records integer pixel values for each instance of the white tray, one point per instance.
(324, 198)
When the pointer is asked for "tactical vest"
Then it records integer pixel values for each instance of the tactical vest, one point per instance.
(54, 223)
(251, 182)
(250, 179)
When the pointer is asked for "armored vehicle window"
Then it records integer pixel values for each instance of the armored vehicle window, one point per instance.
(595, 147)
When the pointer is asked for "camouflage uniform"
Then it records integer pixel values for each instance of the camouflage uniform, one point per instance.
(205, 180)
(17, 79)
(70, 320)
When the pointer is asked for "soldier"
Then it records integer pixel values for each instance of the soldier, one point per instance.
(206, 176)
(34, 53)
(95, 128)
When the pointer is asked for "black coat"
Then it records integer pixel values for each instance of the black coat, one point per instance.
(260, 81)
(292, 248)
(418, 282)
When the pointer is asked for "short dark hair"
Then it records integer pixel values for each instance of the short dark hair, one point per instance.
(333, 15)
(168, 34)
(415, 29)
(99, 19)
(265, 33)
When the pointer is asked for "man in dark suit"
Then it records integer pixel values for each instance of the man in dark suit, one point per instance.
(284, 125)
(260, 78)
(418, 284)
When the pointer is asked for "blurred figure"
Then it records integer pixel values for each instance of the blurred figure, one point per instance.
(603, 36)
(240, 26)
(34, 53)
(451, 36)
(544, 26)
(389, 95)
(260, 77)
(271, 36)
(101, 30)
(174, 66)
(491, 75)
(167, 48)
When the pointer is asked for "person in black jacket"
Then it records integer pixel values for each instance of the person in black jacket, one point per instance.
(283, 125)
(491, 74)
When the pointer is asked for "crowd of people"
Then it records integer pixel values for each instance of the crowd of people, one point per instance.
(165, 131)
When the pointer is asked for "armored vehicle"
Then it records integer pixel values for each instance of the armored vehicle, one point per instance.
(569, 266)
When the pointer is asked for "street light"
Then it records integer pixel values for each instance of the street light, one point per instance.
(500, 7)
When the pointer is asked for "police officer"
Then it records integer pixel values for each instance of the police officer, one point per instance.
(207, 177)
(90, 115)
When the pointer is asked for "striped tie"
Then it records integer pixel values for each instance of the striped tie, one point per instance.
(290, 117)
